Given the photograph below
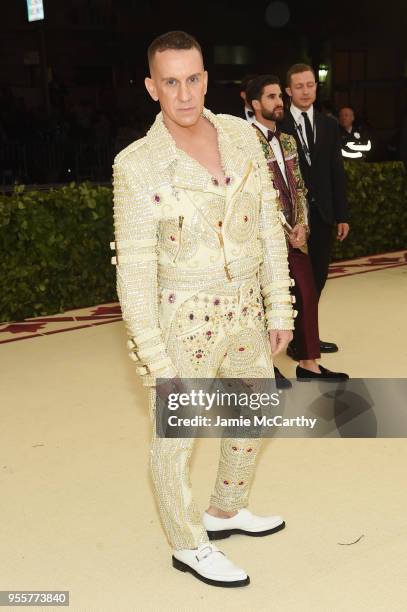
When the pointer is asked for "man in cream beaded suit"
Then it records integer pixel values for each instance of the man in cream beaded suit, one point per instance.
(199, 250)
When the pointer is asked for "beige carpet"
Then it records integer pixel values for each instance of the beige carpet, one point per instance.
(76, 509)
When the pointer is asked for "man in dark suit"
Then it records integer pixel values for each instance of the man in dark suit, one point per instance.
(280, 150)
(319, 146)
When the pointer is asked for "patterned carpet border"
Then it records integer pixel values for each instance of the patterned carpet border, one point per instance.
(110, 313)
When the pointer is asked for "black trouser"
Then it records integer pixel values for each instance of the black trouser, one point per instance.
(319, 248)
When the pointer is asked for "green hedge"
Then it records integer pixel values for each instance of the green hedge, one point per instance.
(55, 244)
(55, 250)
(377, 194)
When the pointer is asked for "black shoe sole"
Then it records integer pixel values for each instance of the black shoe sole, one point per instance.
(328, 350)
(183, 567)
(226, 533)
(322, 379)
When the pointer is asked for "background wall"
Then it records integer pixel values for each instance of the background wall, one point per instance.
(94, 51)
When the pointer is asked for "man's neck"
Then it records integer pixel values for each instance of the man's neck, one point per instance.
(185, 134)
(268, 123)
(301, 110)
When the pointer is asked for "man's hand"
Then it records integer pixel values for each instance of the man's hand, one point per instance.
(279, 339)
(343, 231)
(298, 236)
(172, 385)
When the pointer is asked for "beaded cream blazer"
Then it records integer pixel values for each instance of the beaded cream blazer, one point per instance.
(178, 232)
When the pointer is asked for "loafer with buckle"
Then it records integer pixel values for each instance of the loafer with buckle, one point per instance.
(210, 565)
(244, 522)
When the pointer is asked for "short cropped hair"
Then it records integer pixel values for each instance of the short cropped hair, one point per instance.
(246, 80)
(256, 87)
(176, 39)
(296, 69)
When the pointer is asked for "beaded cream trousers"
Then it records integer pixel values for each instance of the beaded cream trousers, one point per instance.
(222, 334)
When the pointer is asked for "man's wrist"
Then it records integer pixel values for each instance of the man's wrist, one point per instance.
(306, 227)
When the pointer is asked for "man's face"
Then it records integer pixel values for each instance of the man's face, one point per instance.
(302, 89)
(346, 118)
(178, 82)
(270, 106)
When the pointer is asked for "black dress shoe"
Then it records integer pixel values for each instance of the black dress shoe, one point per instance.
(327, 375)
(292, 351)
(281, 381)
(328, 347)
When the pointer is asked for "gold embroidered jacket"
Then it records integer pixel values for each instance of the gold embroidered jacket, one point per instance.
(178, 231)
(299, 206)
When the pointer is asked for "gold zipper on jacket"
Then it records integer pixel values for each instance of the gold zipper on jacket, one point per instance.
(180, 224)
(222, 246)
(221, 242)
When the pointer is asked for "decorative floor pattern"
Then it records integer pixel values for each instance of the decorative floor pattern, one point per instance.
(54, 324)
(110, 313)
(367, 264)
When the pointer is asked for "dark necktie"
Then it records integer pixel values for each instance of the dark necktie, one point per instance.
(309, 133)
(250, 114)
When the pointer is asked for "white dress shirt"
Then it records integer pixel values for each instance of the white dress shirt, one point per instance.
(275, 145)
(299, 120)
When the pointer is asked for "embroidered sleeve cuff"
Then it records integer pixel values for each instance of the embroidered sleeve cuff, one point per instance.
(281, 323)
(283, 298)
(149, 353)
(280, 316)
(150, 380)
(277, 286)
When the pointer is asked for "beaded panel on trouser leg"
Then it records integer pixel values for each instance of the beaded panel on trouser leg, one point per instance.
(248, 356)
(169, 462)
(212, 334)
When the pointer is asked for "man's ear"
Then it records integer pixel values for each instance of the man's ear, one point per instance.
(151, 88)
(205, 76)
(243, 96)
(255, 104)
(288, 91)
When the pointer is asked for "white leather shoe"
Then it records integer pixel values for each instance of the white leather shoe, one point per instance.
(209, 564)
(243, 522)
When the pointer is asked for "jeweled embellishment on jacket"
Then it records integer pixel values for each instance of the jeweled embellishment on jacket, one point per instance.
(214, 211)
(177, 233)
(241, 225)
(182, 245)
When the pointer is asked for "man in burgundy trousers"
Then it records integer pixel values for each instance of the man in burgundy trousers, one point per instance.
(265, 96)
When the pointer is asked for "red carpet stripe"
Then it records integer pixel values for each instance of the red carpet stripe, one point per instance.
(110, 313)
